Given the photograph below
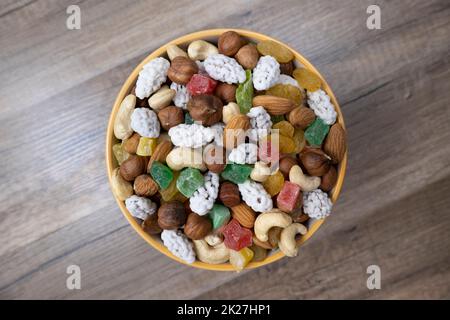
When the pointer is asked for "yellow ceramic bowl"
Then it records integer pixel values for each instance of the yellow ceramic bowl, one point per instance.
(211, 35)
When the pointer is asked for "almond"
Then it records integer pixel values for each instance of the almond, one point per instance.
(301, 117)
(335, 143)
(244, 215)
(274, 105)
(235, 131)
(160, 153)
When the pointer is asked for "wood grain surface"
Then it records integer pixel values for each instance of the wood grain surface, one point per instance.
(57, 90)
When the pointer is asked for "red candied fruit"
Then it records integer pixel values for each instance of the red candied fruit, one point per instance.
(267, 152)
(236, 236)
(290, 197)
(201, 84)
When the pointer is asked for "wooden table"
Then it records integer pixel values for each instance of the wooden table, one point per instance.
(57, 89)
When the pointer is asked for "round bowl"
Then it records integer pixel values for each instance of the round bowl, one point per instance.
(212, 35)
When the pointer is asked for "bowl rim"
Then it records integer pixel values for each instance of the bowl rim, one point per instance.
(128, 85)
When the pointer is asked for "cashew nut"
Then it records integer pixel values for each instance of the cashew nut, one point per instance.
(161, 98)
(122, 122)
(183, 157)
(213, 255)
(260, 172)
(122, 189)
(287, 242)
(200, 50)
(229, 111)
(174, 51)
(213, 239)
(269, 219)
(306, 183)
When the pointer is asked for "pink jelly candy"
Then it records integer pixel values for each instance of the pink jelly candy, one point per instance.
(290, 197)
(201, 84)
(236, 236)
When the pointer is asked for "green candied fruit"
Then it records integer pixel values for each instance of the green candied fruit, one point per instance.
(236, 173)
(188, 119)
(120, 154)
(276, 119)
(244, 93)
(316, 132)
(189, 181)
(161, 174)
(219, 215)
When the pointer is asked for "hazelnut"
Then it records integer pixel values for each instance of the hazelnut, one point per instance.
(171, 215)
(130, 145)
(287, 68)
(329, 179)
(145, 186)
(286, 163)
(226, 92)
(248, 56)
(132, 167)
(205, 108)
(214, 157)
(274, 235)
(150, 225)
(182, 69)
(170, 116)
(197, 227)
(301, 117)
(229, 194)
(315, 161)
(229, 43)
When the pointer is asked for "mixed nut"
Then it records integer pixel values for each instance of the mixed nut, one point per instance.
(226, 151)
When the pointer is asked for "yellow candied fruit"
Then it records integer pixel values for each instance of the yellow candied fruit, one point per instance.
(285, 127)
(274, 183)
(276, 50)
(146, 146)
(307, 79)
(239, 259)
(299, 140)
(287, 91)
(120, 154)
(171, 192)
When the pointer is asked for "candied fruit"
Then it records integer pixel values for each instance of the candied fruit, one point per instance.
(239, 259)
(244, 93)
(289, 197)
(146, 146)
(236, 173)
(119, 153)
(189, 181)
(236, 236)
(316, 132)
(162, 174)
(201, 84)
(219, 215)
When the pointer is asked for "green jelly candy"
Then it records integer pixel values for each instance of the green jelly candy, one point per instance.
(316, 132)
(236, 173)
(189, 181)
(219, 215)
(244, 93)
(161, 174)
(188, 119)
